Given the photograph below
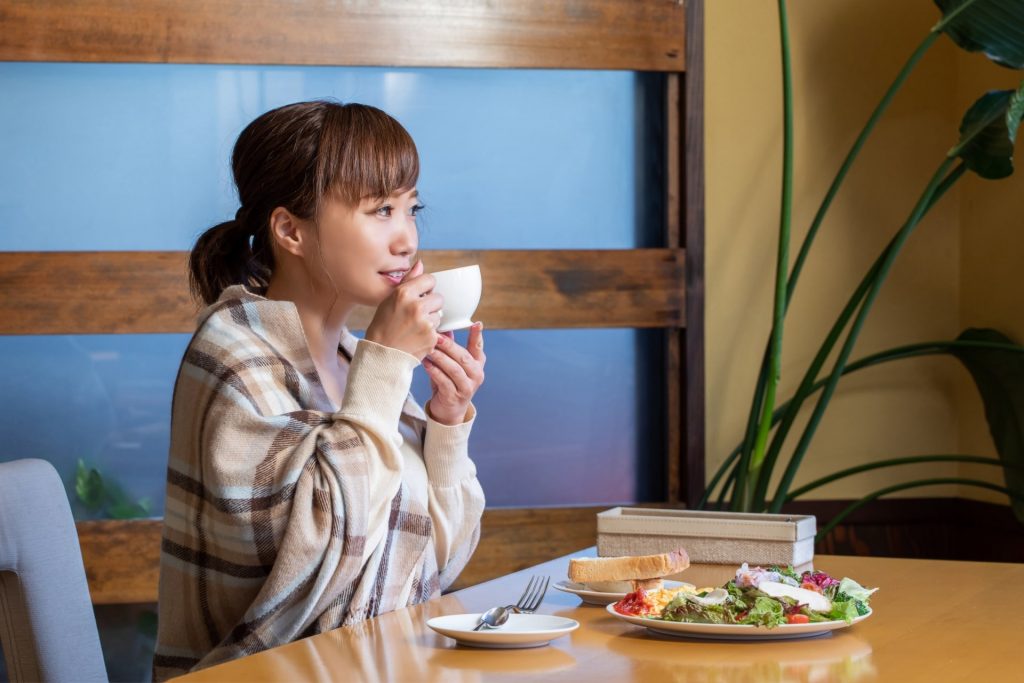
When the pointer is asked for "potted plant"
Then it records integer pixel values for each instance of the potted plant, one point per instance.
(985, 147)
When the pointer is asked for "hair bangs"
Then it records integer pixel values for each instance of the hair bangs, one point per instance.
(365, 153)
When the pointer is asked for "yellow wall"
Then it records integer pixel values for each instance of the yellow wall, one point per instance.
(845, 53)
(991, 256)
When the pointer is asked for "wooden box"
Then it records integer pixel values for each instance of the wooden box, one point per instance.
(711, 538)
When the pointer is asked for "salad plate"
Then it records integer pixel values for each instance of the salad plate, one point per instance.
(735, 631)
(600, 598)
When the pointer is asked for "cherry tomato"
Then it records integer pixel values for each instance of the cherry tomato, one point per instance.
(797, 619)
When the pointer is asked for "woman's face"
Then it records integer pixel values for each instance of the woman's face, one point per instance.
(368, 249)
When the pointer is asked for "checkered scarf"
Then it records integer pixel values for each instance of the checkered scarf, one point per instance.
(267, 492)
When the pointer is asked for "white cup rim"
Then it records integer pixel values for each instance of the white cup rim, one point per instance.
(456, 270)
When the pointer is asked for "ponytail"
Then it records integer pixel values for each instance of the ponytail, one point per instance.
(223, 256)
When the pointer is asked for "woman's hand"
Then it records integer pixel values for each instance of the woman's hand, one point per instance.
(455, 375)
(408, 318)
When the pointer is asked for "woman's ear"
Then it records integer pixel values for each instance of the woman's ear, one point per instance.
(285, 231)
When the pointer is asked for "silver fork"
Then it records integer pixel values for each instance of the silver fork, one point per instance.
(531, 598)
(528, 603)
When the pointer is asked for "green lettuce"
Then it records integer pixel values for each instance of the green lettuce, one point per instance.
(766, 612)
(844, 610)
(681, 609)
(855, 590)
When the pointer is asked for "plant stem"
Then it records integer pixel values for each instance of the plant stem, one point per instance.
(804, 390)
(747, 447)
(898, 353)
(865, 132)
(759, 405)
(853, 507)
(781, 261)
(946, 20)
(722, 469)
(876, 284)
(893, 462)
(729, 485)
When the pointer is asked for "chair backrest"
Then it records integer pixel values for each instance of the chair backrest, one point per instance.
(47, 626)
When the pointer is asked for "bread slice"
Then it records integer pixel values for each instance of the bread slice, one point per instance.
(590, 569)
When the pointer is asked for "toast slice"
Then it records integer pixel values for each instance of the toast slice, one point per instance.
(630, 567)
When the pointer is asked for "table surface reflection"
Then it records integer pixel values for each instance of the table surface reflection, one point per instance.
(933, 620)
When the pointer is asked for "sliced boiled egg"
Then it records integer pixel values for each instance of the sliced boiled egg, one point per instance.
(813, 600)
(715, 597)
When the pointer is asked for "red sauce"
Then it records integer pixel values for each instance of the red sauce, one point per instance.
(633, 604)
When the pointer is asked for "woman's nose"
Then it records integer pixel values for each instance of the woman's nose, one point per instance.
(406, 240)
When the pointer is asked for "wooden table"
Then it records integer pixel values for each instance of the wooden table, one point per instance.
(932, 621)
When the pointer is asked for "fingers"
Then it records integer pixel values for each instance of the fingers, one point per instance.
(432, 303)
(414, 272)
(475, 343)
(455, 375)
(465, 371)
(440, 383)
(415, 287)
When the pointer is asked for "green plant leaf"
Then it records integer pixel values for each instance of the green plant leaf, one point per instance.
(123, 507)
(999, 376)
(995, 27)
(88, 486)
(988, 133)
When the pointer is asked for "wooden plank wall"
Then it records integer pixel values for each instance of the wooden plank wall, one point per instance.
(122, 558)
(141, 292)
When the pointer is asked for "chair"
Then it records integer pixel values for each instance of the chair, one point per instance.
(47, 626)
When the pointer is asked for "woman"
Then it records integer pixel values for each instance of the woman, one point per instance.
(306, 490)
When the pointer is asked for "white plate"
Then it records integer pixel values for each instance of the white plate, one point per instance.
(521, 630)
(598, 598)
(736, 631)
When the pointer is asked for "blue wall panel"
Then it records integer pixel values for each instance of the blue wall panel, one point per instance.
(126, 156)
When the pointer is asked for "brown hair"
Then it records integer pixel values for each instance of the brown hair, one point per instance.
(293, 157)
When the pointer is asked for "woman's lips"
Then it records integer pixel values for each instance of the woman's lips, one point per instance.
(394, 277)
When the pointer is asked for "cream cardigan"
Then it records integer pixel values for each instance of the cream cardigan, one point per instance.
(286, 517)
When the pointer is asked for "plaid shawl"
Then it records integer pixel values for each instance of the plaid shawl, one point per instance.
(269, 495)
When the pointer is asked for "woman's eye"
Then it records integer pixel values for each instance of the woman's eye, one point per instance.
(416, 209)
(384, 211)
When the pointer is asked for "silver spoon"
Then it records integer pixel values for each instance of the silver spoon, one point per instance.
(493, 618)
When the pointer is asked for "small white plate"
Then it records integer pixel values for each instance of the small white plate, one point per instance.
(736, 631)
(521, 630)
(598, 598)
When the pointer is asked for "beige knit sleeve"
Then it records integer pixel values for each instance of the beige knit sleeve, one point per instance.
(456, 500)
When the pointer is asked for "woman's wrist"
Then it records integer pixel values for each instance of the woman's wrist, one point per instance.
(450, 416)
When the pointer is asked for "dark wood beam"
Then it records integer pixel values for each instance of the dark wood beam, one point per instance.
(693, 474)
(637, 35)
(146, 292)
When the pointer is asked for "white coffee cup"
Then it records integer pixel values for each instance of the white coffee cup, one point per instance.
(460, 288)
